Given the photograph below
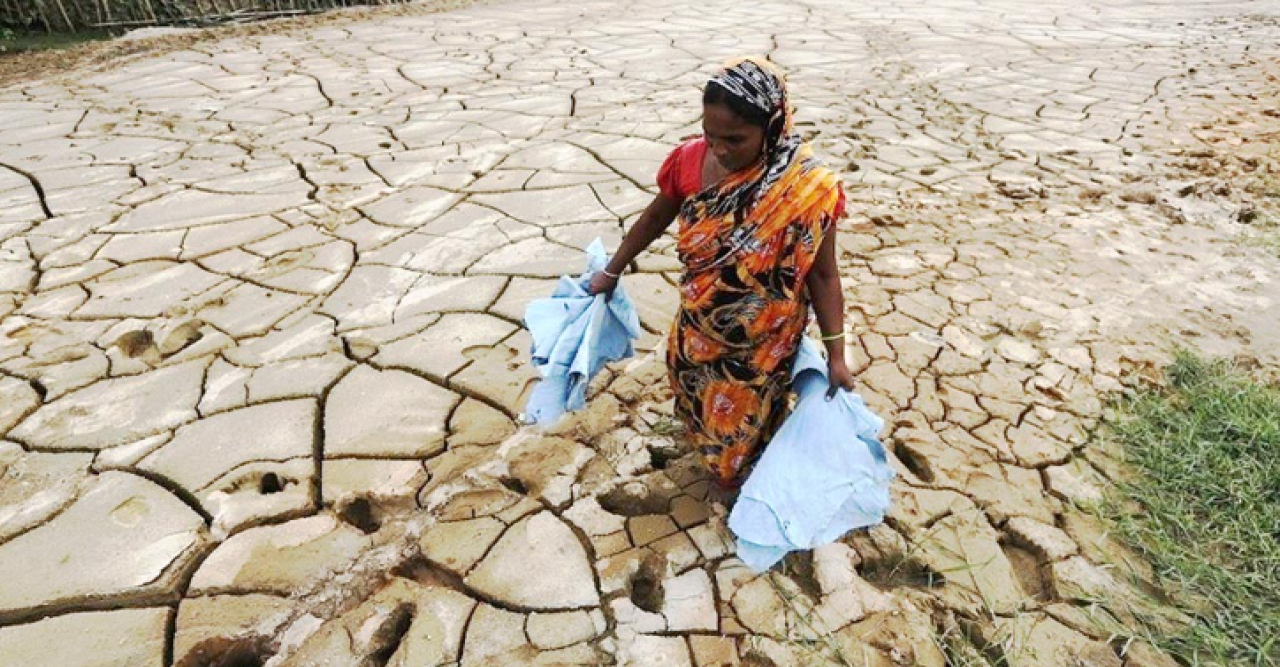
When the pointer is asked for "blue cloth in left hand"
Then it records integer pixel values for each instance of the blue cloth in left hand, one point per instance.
(823, 474)
(575, 333)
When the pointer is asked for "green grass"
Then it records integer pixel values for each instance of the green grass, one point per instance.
(959, 652)
(1207, 450)
(13, 41)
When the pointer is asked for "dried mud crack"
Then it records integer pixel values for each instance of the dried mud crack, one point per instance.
(260, 352)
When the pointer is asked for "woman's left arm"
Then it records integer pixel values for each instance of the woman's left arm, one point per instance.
(823, 283)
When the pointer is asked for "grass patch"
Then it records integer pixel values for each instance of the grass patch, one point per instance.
(1207, 449)
(15, 42)
(960, 652)
(800, 613)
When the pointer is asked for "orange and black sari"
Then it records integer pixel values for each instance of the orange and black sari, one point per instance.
(747, 244)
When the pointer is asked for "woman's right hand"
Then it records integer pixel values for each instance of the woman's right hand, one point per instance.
(602, 284)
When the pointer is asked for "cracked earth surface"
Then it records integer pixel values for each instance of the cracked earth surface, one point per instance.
(261, 354)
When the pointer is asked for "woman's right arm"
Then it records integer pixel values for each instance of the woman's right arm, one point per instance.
(655, 219)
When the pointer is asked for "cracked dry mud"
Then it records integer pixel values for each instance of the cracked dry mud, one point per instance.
(260, 348)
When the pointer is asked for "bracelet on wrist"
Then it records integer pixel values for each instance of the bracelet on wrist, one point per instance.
(615, 276)
(824, 337)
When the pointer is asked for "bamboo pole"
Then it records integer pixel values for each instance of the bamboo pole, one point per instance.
(44, 18)
(168, 9)
(21, 12)
(140, 23)
(66, 18)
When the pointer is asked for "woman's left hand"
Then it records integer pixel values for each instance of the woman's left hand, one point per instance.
(839, 376)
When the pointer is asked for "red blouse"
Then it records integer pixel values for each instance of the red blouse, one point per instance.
(680, 175)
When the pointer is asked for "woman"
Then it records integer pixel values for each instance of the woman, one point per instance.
(757, 237)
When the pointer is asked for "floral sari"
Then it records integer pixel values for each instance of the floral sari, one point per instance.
(747, 243)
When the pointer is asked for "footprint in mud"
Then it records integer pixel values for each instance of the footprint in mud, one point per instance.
(265, 484)
(647, 589)
(134, 344)
(252, 651)
(633, 498)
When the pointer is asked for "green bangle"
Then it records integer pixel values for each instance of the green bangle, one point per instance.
(829, 337)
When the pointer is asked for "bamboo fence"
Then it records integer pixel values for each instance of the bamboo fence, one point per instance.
(72, 15)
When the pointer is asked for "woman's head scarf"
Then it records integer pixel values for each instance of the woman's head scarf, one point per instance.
(760, 84)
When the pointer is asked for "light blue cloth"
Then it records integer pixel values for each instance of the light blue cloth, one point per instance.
(823, 475)
(575, 334)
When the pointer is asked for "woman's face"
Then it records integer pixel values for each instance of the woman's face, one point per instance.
(735, 143)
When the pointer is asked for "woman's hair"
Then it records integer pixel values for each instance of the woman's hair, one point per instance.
(714, 93)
